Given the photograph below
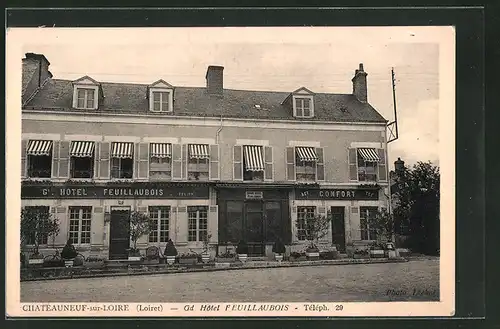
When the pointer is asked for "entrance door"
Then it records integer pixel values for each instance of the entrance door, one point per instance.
(338, 228)
(119, 230)
(254, 228)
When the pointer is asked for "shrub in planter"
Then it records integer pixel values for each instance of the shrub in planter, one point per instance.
(242, 251)
(35, 259)
(79, 260)
(377, 250)
(205, 255)
(228, 256)
(312, 252)
(279, 249)
(170, 252)
(297, 256)
(361, 253)
(69, 253)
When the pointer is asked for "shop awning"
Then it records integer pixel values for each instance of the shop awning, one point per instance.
(161, 150)
(368, 154)
(307, 154)
(199, 151)
(37, 147)
(122, 150)
(82, 149)
(254, 160)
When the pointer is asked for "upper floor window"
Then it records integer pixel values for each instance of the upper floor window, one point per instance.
(305, 163)
(39, 153)
(198, 162)
(303, 107)
(160, 162)
(367, 164)
(85, 98)
(82, 159)
(122, 160)
(160, 95)
(253, 163)
(161, 101)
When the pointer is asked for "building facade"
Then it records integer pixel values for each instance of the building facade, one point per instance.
(211, 162)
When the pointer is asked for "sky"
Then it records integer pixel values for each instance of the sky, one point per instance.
(280, 59)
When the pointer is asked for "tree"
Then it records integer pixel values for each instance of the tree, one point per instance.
(37, 226)
(140, 225)
(315, 228)
(416, 206)
(383, 224)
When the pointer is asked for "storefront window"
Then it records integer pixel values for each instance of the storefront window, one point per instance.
(367, 214)
(160, 222)
(303, 214)
(79, 224)
(197, 223)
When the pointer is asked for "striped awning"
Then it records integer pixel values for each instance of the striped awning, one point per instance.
(254, 160)
(37, 147)
(161, 150)
(122, 150)
(369, 154)
(307, 154)
(82, 149)
(199, 151)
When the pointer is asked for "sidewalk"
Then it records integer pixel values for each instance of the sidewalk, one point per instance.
(139, 269)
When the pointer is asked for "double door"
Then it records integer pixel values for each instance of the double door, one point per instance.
(119, 233)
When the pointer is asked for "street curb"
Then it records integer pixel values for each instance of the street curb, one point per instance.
(235, 268)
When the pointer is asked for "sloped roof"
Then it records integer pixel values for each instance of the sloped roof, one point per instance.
(29, 68)
(194, 101)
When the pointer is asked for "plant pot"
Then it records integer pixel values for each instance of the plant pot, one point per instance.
(391, 254)
(278, 257)
(170, 260)
(69, 262)
(134, 258)
(377, 253)
(313, 255)
(242, 257)
(205, 258)
(35, 261)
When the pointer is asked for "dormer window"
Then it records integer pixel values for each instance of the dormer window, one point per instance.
(86, 93)
(301, 101)
(160, 96)
(303, 107)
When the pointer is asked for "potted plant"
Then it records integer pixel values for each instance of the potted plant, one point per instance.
(279, 249)
(297, 256)
(170, 252)
(37, 226)
(69, 253)
(205, 255)
(242, 251)
(189, 258)
(226, 257)
(140, 225)
(377, 250)
(312, 252)
(361, 253)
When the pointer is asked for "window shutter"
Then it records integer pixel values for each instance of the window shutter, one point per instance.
(353, 164)
(185, 161)
(290, 163)
(104, 160)
(214, 173)
(237, 162)
(24, 145)
(96, 159)
(213, 223)
(320, 164)
(176, 161)
(55, 159)
(382, 166)
(268, 163)
(143, 160)
(64, 159)
(182, 225)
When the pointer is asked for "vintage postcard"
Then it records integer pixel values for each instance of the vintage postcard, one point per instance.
(211, 172)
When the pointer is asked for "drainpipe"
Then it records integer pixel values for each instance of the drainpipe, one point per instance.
(218, 132)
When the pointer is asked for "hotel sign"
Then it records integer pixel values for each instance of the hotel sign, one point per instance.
(134, 191)
(336, 194)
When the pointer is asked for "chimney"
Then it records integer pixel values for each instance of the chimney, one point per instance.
(359, 84)
(399, 165)
(35, 73)
(215, 80)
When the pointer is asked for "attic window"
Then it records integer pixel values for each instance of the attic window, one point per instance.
(85, 98)
(86, 93)
(303, 106)
(161, 97)
(161, 100)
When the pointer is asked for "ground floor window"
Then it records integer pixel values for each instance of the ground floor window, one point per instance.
(303, 215)
(367, 215)
(160, 223)
(197, 223)
(42, 214)
(80, 219)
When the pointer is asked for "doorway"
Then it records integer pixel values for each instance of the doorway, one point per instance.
(254, 228)
(119, 233)
(338, 228)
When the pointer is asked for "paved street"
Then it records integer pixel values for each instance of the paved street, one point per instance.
(413, 281)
